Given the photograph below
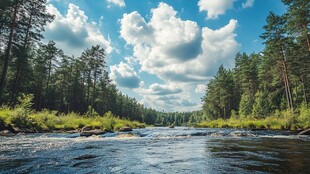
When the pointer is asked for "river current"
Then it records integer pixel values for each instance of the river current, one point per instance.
(157, 150)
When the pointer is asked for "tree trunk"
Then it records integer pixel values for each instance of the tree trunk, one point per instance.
(285, 85)
(8, 51)
(88, 89)
(288, 87)
(14, 88)
(286, 80)
(94, 90)
(308, 41)
(48, 79)
(304, 91)
(308, 36)
(19, 64)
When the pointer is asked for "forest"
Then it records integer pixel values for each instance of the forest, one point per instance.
(274, 82)
(58, 82)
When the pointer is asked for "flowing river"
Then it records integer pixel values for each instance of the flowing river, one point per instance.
(158, 150)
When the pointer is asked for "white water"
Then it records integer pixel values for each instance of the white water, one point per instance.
(158, 150)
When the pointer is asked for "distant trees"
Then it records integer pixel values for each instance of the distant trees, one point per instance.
(275, 79)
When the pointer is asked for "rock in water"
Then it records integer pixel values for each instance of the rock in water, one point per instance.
(5, 132)
(92, 132)
(125, 129)
(86, 128)
(17, 130)
(305, 132)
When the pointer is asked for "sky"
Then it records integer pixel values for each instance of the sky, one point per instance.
(162, 52)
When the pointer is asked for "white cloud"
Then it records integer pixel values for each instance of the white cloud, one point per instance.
(160, 89)
(73, 33)
(178, 51)
(214, 8)
(120, 3)
(248, 3)
(170, 102)
(125, 76)
(201, 88)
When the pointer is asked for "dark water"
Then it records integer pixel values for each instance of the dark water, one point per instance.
(158, 150)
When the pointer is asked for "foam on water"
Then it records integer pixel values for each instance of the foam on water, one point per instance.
(157, 150)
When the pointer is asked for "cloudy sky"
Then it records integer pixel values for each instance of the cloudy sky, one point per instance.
(162, 52)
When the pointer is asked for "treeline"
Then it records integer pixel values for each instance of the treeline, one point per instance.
(57, 81)
(275, 80)
(179, 118)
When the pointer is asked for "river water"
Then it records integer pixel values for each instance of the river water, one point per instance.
(158, 150)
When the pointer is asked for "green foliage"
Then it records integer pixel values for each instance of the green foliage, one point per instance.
(273, 82)
(304, 116)
(48, 120)
(261, 105)
(234, 114)
(286, 121)
(20, 115)
(218, 101)
(246, 105)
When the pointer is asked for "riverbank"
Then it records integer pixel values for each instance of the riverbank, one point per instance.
(283, 120)
(19, 119)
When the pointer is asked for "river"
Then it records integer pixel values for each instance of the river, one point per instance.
(158, 150)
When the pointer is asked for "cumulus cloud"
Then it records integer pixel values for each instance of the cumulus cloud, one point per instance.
(214, 8)
(176, 50)
(179, 52)
(248, 3)
(73, 32)
(120, 3)
(125, 76)
(170, 102)
(160, 89)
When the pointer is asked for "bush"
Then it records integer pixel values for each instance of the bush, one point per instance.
(304, 116)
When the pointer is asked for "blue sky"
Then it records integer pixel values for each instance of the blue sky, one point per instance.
(162, 52)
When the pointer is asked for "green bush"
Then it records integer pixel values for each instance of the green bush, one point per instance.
(304, 116)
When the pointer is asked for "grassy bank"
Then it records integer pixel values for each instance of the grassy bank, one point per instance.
(49, 121)
(44, 121)
(280, 120)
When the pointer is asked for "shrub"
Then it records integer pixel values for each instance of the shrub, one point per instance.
(304, 116)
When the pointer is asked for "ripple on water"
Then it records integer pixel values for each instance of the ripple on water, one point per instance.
(157, 150)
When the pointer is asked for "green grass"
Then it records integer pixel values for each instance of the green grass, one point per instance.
(48, 120)
(280, 120)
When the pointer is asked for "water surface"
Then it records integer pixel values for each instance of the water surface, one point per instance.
(158, 150)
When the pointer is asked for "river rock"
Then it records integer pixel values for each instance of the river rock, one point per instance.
(86, 128)
(305, 132)
(17, 130)
(125, 129)
(92, 132)
(73, 131)
(5, 132)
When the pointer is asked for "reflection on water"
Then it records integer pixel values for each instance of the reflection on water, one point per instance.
(158, 150)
